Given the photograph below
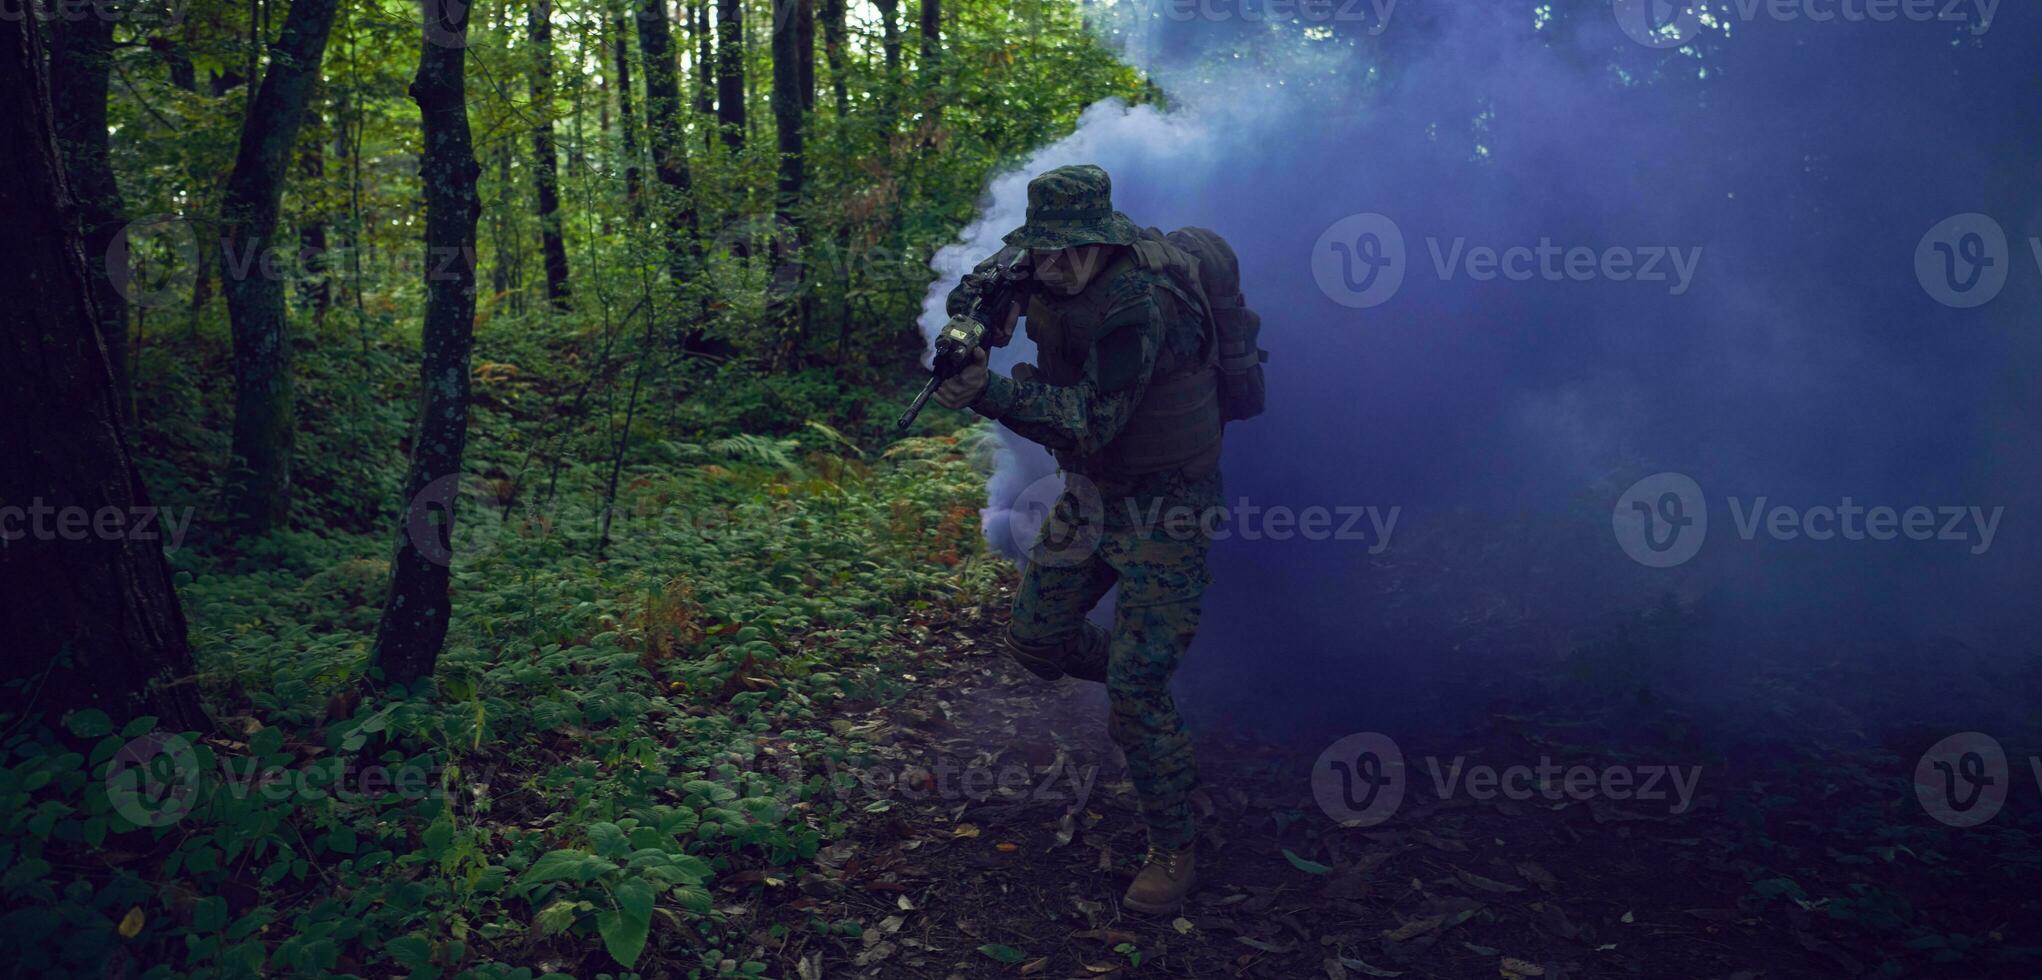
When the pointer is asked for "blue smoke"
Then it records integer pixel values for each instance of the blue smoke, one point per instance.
(1779, 179)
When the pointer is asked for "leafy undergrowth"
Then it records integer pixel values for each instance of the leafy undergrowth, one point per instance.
(577, 782)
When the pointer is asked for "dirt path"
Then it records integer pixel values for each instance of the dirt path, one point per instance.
(996, 832)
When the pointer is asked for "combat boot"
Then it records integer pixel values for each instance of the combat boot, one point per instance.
(1085, 657)
(1163, 882)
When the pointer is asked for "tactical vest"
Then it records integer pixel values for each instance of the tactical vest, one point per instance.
(1177, 424)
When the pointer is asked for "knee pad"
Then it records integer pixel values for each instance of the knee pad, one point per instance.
(1044, 660)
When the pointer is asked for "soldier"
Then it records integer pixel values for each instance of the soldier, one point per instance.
(1126, 400)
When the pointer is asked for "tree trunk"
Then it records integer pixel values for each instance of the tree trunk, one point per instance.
(620, 53)
(931, 69)
(787, 106)
(545, 161)
(804, 47)
(705, 61)
(260, 495)
(932, 34)
(316, 290)
(414, 623)
(788, 123)
(729, 71)
(81, 59)
(889, 33)
(86, 603)
(834, 32)
(669, 160)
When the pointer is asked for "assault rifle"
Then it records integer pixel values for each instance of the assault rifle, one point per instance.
(1005, 285)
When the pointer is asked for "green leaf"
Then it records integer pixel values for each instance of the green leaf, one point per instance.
(1004, 954)
(89, 723)
(635, 897)
(412, 951)
(692, 898)
(608, 839)
(693, 868)
(209, 914)
(623, 936)
(554, 918)
(566, 864)
(139, 727)
(1308, 867)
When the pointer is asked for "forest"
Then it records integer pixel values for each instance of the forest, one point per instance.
(455, 522)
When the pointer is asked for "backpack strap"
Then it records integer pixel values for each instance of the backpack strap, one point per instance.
(1155, 253)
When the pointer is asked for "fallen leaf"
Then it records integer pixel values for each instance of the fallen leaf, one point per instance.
(1181, 924)
(1308, 867)
(1414, 928)
(1363, 968)
(1485, 884)
(1538, 875)
(964, 830)
(1006, 847)
(1114, 936)
(1513, 968)
(1438, 843)
(131, 923)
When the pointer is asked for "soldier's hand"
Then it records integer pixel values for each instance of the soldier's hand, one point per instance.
(963, 387)
(1004, 332)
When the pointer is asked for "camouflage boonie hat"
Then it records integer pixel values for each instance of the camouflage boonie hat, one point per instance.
(1072, 206)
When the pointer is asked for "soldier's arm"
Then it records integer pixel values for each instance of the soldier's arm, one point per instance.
(1084, 417)
(968, 287)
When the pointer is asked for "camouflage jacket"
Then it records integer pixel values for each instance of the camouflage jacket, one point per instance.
(1128, 327)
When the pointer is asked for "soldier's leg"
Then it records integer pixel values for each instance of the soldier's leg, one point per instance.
(1065, 578)
(1162, 586)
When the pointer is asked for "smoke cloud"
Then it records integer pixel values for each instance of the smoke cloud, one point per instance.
(1639, 365)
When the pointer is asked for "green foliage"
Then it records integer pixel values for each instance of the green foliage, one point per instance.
(591, 760)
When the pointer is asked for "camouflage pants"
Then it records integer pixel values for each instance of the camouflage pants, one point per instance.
(1162, 578)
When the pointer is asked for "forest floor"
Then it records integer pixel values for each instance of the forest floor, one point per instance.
(1003, 835)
